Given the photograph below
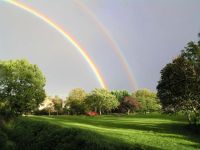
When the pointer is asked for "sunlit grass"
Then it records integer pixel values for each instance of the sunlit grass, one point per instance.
(158, 131)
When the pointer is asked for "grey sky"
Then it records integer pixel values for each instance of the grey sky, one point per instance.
(149, 32)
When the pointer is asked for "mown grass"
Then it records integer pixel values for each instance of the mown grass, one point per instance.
(130, 132)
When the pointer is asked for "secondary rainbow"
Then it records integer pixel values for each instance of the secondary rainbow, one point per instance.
(112, 42)
(66, 35)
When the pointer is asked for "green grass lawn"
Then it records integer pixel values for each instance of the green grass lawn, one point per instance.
(153, 131)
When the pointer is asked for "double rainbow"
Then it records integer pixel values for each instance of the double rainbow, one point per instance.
(112, 42)
(66, 35)
(82, 51)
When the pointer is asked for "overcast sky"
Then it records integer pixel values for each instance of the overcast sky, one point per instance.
(150, 33)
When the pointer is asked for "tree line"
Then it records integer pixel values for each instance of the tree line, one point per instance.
(101, 101)
(22, 92)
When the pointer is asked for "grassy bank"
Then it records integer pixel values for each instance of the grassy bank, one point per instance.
(103, 132)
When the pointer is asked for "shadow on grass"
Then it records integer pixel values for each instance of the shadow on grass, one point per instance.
(29, 134)
(179, 130)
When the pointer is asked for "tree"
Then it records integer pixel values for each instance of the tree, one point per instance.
(148, 100)
(58, 103)
(47, 105)
(101, 100)
(76, 101)
(179, 86)
(21, 86)
(120, 94)
(129, 104)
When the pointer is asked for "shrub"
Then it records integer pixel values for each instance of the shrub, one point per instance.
(3, 140)
(92, 113)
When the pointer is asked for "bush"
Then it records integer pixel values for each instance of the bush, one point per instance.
(92, 113)
(3, 140)
(41, 112)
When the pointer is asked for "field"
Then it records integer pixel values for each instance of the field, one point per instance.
(135, 131)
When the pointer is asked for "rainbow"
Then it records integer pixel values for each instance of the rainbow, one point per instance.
(112, 42)
(66, 35)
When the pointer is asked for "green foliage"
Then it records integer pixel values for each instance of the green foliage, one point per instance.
(51, 105)
(148, 100)
(179, 86)
(58, 103)
(120, 94)
(101, 100)
(44, 111)
(48, 105)
(129, 104)
(76, 101)
(21, 86)
(3, 140)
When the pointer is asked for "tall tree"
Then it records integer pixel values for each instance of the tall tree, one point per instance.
(101, 100)
(179, 86)
(21, 86)
(58, 104)
(76, 101)
(120, 94)
(47, 105)
(129, 104)
(148, 100)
